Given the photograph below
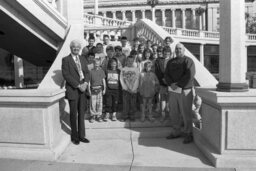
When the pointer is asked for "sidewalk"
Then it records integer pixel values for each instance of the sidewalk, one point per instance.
(121, 155)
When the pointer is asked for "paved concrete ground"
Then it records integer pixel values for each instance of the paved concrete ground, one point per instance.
(121, 155)
(123, 147)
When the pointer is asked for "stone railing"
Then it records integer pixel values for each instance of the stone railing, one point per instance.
(97, 20)
(114, 33)
(187, 35)
(151, 31)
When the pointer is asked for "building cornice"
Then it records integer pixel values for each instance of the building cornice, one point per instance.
(117, 3)
(113, 3)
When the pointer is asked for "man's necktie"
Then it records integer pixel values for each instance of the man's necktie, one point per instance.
(78, 64)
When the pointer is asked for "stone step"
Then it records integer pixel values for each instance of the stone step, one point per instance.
(127, 124)
(127, 130)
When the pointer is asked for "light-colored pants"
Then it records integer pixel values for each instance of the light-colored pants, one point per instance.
(180, 106)
(96, 104)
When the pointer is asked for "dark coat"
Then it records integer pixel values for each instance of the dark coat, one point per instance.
(71, 75)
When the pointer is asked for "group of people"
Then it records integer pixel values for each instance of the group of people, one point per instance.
(142, 77)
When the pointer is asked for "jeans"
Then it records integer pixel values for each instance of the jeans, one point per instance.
(129, 104)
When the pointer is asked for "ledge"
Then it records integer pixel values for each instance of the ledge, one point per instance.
(213, 96)
(31, 95)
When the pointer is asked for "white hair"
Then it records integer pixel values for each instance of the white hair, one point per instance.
(75, 42)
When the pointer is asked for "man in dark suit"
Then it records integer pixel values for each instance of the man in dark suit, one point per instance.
(76, 74)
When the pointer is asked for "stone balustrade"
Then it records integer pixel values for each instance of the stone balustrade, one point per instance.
(97, 20)
(114, 32)
(198, 36)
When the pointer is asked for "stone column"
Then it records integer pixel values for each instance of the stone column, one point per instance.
(203, 21)
(202, 53)
(163, 17)
(104, 13)
(232, 46)
(193, 17)
(96, 7)
(114, 14)
(19, 72)
(143, 13)
(133, 16)
(200, 22)
(153, 14)
(173, 18)
(123, 15)
(183, 18)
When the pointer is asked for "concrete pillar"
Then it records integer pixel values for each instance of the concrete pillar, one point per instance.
(210, 19)
(200, 22)
(203, 21)
(104, 13)
(183, 18)
(133, 16)
(143, 13)
(163, 17)
(114, 14)
(173, 18)
(96, 7)
(232, 46)
(193, 17)
(123, 15)
(19, 72)
(202, 53)
(153, 14)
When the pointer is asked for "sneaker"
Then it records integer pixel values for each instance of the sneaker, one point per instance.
(99, 119)
(113, 118)
(105, 119)
(188, 138)
(92, 119)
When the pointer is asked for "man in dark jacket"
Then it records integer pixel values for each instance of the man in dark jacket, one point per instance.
(76, 75)
(179, 76)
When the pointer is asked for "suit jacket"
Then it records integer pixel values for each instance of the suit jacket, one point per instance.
(71, 75)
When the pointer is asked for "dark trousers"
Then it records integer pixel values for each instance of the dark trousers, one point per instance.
(77, 111)
(112, 99)
(129, 104)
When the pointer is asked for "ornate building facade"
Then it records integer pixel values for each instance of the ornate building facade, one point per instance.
(186, 14)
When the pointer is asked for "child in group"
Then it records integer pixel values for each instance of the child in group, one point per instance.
(99, 52)
(160, 65)
(96, 88)
(113, 90)
(149, 45)
(140, 52)
(90, 60)
(119, 55)
(110, 54)
(136, 43)
(126, 49)
(148, 87)
(129, 79)
(154, 51)
(147, 56)
(90, 48)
